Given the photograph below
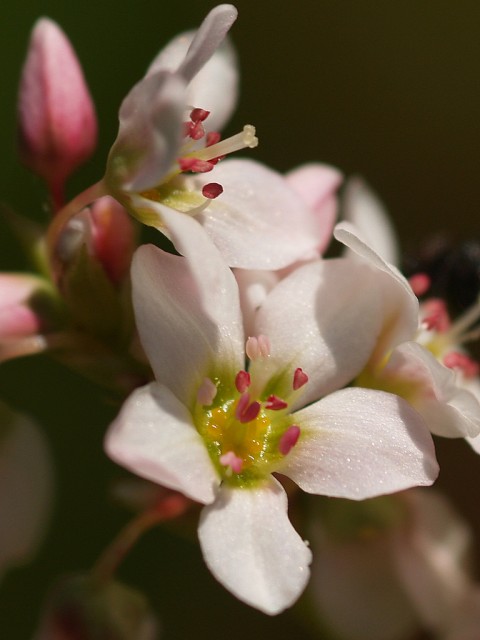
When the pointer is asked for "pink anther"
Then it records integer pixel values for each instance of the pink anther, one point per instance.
(206, 392)
(212, 190)
(229, 459)
(435, 315)
(242, 381)
(275, 403)
(199, 115)
(300, 378)
(420, 283)
(289, 439)
(246, 411)
(196, 165)
(461, 362)
(212, 138)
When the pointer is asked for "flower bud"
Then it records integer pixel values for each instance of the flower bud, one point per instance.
(81, 609)
(57, 127)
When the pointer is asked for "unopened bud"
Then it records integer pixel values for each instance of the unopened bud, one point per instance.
(57, 125)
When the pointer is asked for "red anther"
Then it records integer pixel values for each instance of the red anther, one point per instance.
(246, 412)
(276, 404)
(420, 283)
(289, 439)
(199, 115)
(212, 138)
(462, 362)
(187, 127)
(196, 165)
(242, 381)
(212, 190)
(229, 459)
(299, 379)
(197, 131)
(435, 315)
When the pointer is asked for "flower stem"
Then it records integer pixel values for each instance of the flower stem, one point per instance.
(63, 216)
(168, 508)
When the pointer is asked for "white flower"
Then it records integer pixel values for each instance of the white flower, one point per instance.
(168, 147)
(212, 429)
(401, 364)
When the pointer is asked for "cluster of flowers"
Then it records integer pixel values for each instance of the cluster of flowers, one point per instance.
(268, 361)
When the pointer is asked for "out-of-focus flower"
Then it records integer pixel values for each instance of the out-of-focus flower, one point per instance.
(212, 429)
(25, 487)
(166, 155)
(400, 364)
(80, 608)
(29, 307)
(402, 564)
(57, 127)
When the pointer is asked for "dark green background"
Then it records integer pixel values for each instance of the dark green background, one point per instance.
(389, 90)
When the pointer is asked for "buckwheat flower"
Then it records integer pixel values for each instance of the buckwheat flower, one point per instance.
(401, 562)
(406, 362)
(225, 413)
(169, 153)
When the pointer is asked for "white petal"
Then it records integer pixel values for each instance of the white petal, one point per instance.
(214, 88)
(26, 487)
(431, 556)
(359, 443)
(357, 590)
(154, 437)
(150, 132)
(324, 318)
(363, 208)
(207, 39)
(400, 305)
(251, 547)
(448, 409)
(187, 308)
(317, 184)
(254, 287)
(258, 222)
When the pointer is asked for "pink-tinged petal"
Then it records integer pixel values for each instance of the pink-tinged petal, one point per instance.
(317, 184)
(251, 547)
(448, 409)
(362, 574)
(150, 133)
(432, 558)
(323, 318)
(400, 305)
(359, 443)
(56, 116)
(207, 39)
(259, 221)
(154, 437)
(26, 487)
(362, 207)
(187, 309)
(214, 87)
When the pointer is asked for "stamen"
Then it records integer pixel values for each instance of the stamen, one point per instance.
(461, 362)
(289, 439)
(212, 190)
(300, 378)
(229, 459)
(239, 141)
(275, 403)
(420, 283)
(199, 115)
(246, 412)
(465, 322)
(435, 315)
(206, 392)
(194, 164)
(257, 347)
(242, 381)
(212, 138)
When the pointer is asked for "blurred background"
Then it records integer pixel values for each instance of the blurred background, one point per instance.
(389, 91)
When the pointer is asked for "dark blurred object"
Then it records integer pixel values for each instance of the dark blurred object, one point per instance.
(453, 268)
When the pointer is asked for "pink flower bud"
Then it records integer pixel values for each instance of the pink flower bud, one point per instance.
(112, 239)
(57, 125)
(24, 302)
